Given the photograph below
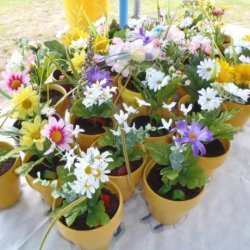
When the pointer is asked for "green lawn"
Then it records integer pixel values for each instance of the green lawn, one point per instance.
(41, 19)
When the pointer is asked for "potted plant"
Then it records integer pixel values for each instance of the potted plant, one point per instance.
(88, 205)
(173, 182)
(10, 188)
(124, 143)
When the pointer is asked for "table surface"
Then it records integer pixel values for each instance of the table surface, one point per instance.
(221, 220)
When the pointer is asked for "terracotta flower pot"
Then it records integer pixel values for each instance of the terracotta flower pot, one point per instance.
(99, 238)
(163, 210)
(241, 117)
(10, 189)
(44, 191)
(77, 10)
(62, 105)
(123, 182)
(127, 95)
(209, 164)
(181, 91)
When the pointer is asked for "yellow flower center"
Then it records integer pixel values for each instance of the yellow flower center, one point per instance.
(98, 174)
(15, 84)
(192, 136)
(56, 136)
(27, 104)
(88, 170)
(36, 136)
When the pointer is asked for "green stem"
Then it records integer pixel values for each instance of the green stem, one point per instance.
(58, 216)
(125, 154)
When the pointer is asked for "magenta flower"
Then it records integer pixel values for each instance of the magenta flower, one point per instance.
(193, 134)
(58, 133)
(12, 81)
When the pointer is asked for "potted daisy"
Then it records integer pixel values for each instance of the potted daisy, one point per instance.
(124, 144)
(88, 206)
(94, 106)
(173, 182)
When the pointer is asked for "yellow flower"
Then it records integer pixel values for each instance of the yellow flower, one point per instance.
(25, 103)
(242, 73)
(247, 38)
(78, 60)
(31, 133)
(73, 35)
(226, 72)
(101, 44)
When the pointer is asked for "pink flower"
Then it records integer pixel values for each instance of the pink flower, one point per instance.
(58, 133)
(29, 62)
(218, 12)
(200, 42)
(12, 81)
(175, 34)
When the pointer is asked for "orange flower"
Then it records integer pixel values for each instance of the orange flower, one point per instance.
(242, 74)
(226, 72)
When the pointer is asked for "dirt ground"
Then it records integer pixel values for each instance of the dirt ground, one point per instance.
(41, 19)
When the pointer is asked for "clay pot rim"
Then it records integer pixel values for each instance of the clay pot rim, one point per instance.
(227, 146)
(237, 104)
(119, 210)
(15, 164)
(148, 167)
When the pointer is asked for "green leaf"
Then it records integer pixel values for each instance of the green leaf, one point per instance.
(164, 190)
(65, 175)
(56, 46)
(168, 174)
(159, 152)
(96, 215)
(178, 195)
(176, 160)
(108, 139)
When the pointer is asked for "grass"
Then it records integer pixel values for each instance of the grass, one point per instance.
(40, 20)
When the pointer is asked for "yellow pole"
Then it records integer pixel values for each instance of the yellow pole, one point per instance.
(80, 12)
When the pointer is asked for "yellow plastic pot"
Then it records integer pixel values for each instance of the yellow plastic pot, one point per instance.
(99, 238)
(241, 117)
(45, 192)
(209, 164)
(80, 12)
(124, 184)
(128, 96)
(85, 140)
(163, 210)
(181, 91)
(10, 189)
(62, 104)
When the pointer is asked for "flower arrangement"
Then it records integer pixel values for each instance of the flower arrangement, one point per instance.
(160, 98)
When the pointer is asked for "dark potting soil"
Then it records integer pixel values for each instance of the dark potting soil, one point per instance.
(130, 85)
(111, 204)
(121, 171)
(142, 121)
(17, 124)
(93, 126)
(54, 96)
(214, 148)
(248, 102)
(155, 183)
(42, 168)
(58, 76)
(5, 166)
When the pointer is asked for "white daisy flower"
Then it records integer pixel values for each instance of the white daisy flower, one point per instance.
(121, 118)
(166, 124)
(170, 106)
(186, 22)
(77, 131)
(83, 187)
(142, 103)
(208, 99)
(186, 110)
(244, 59)
(233, 89)
(208, 69)
(129, 109)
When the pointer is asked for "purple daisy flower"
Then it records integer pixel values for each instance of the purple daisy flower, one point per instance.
(193, 134)
(142, 35)
(92, 75)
